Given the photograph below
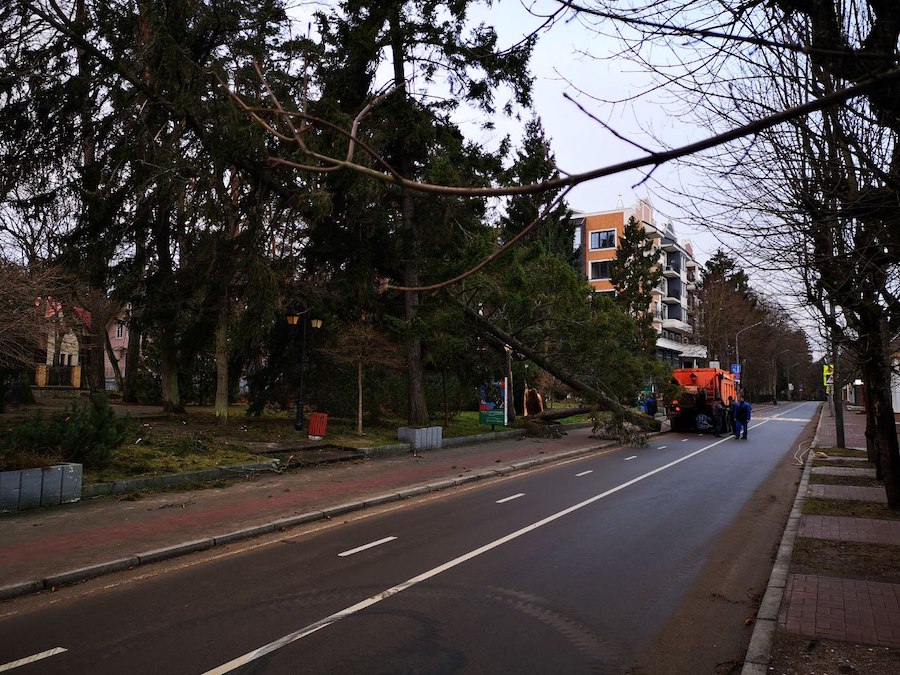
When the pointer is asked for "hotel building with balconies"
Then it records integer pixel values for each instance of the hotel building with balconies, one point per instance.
(674, 303)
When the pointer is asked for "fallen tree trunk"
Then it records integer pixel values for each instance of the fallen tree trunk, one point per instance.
(550, 415)
(601, 400)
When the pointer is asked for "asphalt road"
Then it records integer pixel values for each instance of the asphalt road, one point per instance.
(572, 568)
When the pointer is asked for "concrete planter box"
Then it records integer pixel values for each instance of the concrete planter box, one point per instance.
(422, 438)
(47, 486)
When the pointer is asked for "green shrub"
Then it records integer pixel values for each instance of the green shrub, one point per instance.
(84, 433)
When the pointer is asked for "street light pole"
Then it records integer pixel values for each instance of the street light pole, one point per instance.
(737, 351)
(790, 397)
(293, 319)
(775, 373)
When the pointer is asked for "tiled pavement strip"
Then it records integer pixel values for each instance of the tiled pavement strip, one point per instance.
(853, 610)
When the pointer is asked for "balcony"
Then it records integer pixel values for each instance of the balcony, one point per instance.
(650, 230)
(669, 246)
(671, 272)
(677, 326)
(671, 300)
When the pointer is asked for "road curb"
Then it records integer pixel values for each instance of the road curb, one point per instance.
(165, 553)
(759, 651)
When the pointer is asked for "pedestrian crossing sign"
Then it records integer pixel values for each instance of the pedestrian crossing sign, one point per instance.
(828, 374)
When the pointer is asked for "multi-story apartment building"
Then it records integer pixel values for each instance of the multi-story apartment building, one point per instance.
(674, 305)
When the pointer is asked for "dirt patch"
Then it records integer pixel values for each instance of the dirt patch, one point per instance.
(848, 509)
(798, 655)
(850, 481)
(842, 462)
(846, 559)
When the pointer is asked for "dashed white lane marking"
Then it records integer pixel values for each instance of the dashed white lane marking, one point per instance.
(584, 473)
(31, 659)
(366, 547)
(290, 638)
(509, 499)
(628, 459)
(684, 440)
(663, 447)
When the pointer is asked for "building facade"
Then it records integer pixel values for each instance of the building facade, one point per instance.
(674, 305)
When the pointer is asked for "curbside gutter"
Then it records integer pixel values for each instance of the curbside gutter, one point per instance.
(147, 557)
(759, 651)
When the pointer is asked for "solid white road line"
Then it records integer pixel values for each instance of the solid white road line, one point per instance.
(251, 656)
(366, 547)
(32, 659)
(628, 459)
(584, 473)
(509, 499)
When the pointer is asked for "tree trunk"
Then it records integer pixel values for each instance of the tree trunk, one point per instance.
(359, 397)
(114, 362)
(222, 364)
(415, 372)
(168, 374)
(511, 399)
(550, 415)
(132, 360)
(880, 414)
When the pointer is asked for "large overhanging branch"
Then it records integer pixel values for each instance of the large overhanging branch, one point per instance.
(488, 259)
(604, 402)
(326, 163)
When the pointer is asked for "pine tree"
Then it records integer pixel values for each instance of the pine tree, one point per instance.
(634, 273)
(424, 42)
(535, 163)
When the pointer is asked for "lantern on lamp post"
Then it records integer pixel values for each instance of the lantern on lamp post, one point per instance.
(293, 319)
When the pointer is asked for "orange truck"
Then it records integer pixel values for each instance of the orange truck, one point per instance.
(700, 387)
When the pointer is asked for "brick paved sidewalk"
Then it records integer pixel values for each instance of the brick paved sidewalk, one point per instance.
(854, 610)
(847, 492)
(840, 528)
(842, 609)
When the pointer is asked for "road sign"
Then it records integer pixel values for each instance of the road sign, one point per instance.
(736, 368)
(828, 374)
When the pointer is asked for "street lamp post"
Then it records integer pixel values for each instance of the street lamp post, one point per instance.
(789, 378)
(775, 373)
(293, 319)
(737, 351)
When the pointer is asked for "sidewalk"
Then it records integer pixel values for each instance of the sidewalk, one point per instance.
(828, 607)
(45, 548)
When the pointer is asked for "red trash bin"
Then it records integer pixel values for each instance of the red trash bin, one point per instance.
(318, 423)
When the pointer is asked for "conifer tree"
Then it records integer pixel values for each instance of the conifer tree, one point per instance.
(634, 273)
(424, 43)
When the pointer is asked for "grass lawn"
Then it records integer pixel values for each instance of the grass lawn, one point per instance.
(193, 441)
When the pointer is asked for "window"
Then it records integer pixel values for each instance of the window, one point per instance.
(603, 239)
(600, 269)
(120, 331)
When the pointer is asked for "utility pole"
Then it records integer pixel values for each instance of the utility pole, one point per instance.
(836, 402)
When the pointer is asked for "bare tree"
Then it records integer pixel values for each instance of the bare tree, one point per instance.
(815, 196)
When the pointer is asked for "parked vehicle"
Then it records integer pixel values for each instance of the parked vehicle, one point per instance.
(691, 410)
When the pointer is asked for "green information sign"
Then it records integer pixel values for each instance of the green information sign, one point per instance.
(493, 404)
